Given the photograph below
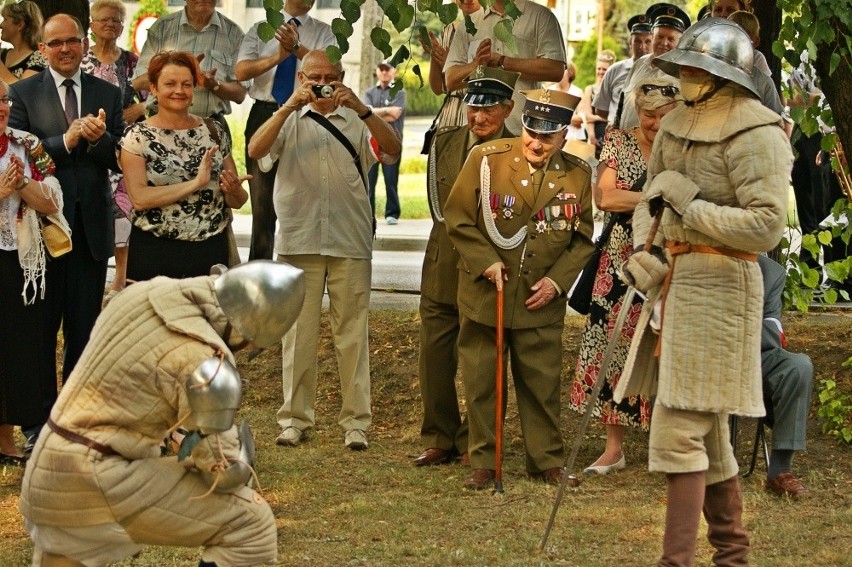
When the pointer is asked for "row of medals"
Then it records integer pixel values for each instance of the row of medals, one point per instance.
(547, 219)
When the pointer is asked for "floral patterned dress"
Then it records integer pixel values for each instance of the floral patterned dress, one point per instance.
(620, 152)
(119, 73)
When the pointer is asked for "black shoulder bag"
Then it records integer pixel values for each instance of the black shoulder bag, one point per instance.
(581, 298)
(326, 123)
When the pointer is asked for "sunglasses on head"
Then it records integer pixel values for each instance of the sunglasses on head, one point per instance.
(665, 90)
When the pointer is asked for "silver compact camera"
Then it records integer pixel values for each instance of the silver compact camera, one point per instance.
(323, 91)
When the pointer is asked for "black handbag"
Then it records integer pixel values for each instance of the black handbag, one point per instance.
(581, 298)
(430, 133)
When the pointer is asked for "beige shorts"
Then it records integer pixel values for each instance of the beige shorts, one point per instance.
(685, 441)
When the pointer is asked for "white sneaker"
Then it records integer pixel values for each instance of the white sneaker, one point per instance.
(290, 437)
(391, 220)
(356, 439)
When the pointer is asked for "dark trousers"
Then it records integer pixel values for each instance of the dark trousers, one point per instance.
(261, 186)
(807, 180)
(79, 282)
(390, 171)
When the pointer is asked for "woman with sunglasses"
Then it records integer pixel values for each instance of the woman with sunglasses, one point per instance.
(21, 28)
(621, 176)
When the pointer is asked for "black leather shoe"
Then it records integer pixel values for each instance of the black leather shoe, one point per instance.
(433, 456)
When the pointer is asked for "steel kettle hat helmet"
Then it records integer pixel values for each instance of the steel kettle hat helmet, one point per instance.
(716, 45)
(262, 299)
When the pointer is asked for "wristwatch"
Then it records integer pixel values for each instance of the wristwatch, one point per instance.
(216, 87)
(23, 184)
(296, 46)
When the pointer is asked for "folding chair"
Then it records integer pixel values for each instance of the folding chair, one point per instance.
(759, 441)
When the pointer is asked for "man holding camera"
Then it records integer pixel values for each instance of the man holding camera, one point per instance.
(326, 229)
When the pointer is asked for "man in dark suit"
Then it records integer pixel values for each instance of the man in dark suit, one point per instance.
(489, 103)
(79, 123)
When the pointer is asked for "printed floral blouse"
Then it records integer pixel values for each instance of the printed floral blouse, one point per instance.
(173, 156)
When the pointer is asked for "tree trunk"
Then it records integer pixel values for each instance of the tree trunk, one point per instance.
(835, 86)
(769, 17)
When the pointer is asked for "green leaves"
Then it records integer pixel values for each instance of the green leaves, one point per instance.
(447, 13)
(350, 10)
(341, 28)
(274, 19)
(380, 39)
(265, 31)
(503, 33)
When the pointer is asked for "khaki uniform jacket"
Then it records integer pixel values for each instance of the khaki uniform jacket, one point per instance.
(440, 276)
(126, 391)
(731, 152)
(559, 254)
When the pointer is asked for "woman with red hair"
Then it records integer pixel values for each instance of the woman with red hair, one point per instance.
(181, 179)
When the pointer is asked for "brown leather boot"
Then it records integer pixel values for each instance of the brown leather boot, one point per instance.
(723, 510)
(683, 514)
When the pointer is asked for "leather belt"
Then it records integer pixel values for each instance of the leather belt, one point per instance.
(266, 103)
(678, 248)
(105, 450)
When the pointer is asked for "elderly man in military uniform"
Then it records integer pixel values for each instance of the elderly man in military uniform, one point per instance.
(520, 216)
(489, 103)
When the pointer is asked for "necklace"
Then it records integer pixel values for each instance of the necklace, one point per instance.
(4, 144)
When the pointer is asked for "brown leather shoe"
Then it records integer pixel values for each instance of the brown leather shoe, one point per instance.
(554, 476)
(433, 456)
(785, 484)
(479, 479)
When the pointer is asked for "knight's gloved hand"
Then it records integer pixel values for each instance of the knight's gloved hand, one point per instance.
(673, 188)
(646, 270)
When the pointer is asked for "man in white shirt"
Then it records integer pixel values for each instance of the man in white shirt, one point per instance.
(326, 229)
(541, 51)
(271, 66)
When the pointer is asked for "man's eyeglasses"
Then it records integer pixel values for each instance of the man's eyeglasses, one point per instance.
(57, 43)
(665, 90)
(105, 21)
(6, 100)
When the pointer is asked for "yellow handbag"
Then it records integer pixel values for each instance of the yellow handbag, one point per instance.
(56, 234)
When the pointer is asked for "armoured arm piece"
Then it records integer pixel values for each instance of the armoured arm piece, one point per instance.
(214, 391)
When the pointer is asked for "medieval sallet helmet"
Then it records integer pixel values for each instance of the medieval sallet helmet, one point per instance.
(262, 299)
(718, 46)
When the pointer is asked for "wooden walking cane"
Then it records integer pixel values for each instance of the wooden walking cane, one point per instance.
(599, 382)
(498, 446)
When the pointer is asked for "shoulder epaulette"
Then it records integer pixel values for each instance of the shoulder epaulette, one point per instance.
(578, 162)
(495, 147)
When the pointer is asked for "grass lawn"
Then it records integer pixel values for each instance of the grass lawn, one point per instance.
(335, 507)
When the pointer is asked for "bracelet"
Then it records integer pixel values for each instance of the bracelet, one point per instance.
(367, 114)
(501, 61)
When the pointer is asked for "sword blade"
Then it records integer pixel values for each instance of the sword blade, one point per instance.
(590, 406)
